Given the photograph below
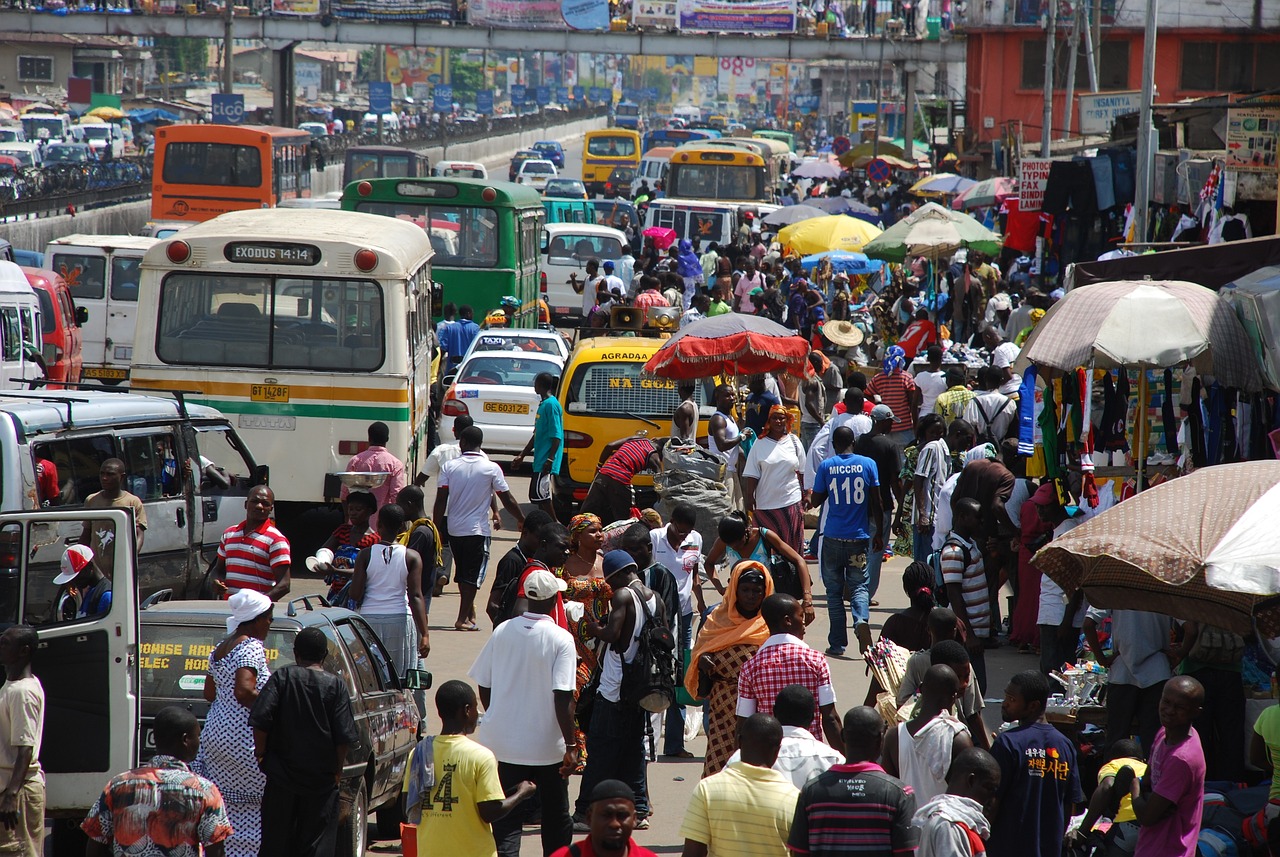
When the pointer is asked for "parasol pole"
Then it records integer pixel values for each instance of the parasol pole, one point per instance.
(1139, 443)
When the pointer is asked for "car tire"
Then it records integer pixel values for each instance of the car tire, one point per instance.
(390, 816)
(353, 834)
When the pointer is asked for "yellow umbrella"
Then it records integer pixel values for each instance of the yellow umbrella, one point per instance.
(106, 112)
(89, 119)
(819, 234)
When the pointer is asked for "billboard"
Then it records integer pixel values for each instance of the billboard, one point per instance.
(413, 65)
(1252, 136)
(726, 16)
(1033, 176)
(394, 10)
(539, 14)
(659, 14)
(1100, 109)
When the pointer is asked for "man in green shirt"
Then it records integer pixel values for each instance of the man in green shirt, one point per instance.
(547, 442)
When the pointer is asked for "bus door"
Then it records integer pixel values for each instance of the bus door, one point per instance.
(88, 658)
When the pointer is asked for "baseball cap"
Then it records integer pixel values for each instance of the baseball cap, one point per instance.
(542, 584)
(608, 264)
(615, 561)
(74, 560)
(881, 412)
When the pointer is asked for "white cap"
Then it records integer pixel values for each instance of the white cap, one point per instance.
(74, 560)
(542, 584)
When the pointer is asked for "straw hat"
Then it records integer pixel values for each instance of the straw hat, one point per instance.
(843, 333)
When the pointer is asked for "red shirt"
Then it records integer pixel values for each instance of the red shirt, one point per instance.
(782, 661)
(918, 336)
(252, 557)
(894, 391)
(584, 849)
(630, 459)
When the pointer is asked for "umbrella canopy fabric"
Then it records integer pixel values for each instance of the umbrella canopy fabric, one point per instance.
(832, 232)
(662, 236)
(932, 231)
(986, 192)
(1173, 548)
(843, 262)
(732, 343)
(1145, 324)
(845, 205)
(790, 214)
(817, 170)
(90, 119)
(869, 149)
(106, 112)
(941, 184)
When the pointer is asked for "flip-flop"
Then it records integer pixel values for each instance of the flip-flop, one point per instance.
(470, 626)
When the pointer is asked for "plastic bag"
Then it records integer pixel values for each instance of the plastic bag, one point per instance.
(710, 499)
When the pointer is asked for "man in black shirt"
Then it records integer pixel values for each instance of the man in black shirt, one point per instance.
(880, 448)
(302, 728)
(511, 566)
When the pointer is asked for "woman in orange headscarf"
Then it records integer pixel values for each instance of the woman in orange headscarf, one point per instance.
(728, 639)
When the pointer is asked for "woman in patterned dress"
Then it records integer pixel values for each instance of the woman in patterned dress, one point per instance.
(237, 672)
(584, 572)
(728, 639)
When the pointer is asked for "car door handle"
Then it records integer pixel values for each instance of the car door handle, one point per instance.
(182, 517)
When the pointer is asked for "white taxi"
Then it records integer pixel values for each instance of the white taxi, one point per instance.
(539, 339)
(495, 388)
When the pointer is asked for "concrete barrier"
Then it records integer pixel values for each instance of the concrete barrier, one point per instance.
(129, 218)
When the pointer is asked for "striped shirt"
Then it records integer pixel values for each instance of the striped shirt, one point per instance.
(743, 811)
(895, 391)
(971, 578)
(854, 809)
(630, 459)
(253, 557)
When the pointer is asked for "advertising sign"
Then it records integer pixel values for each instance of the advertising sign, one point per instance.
(1099, 110)
(596, 93)
(1033, 176)
(306, 74)
(228, 109)
(542, 95)
(725, 16)
(1252, 135)
(484, 102)
(394, 10)
(413, 65)
(579, 93)
(379, 97)
(562, 95)
(539, 14)
(585, 14)
(442, 98)
(518, 94)
(295, 7)
(660, 14)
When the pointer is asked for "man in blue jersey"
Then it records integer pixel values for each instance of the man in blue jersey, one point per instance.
(847, 483)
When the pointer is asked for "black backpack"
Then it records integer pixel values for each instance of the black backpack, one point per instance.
(649, 680)
(984, 430)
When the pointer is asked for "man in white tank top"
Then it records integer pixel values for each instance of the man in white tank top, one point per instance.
(684, 423)
(919, 752)
(615, 736)
(723, 437)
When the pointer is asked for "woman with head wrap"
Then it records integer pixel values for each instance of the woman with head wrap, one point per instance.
(586, 600)
(897, 389)
(730, 636)
(237, 672)
(1021, 338)
(689, 267)
(772, 480)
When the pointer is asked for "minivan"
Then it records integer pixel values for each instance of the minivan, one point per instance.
(566, 248)
(60, 322)
(20, 336)
(103, 272)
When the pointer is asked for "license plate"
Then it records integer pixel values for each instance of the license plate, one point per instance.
(105, 372)
(505, 408)
(269, 393)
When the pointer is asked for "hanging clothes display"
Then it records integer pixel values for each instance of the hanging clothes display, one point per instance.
(1057, 189)
(1103, 183)
(1115, 413)
(1167, 414)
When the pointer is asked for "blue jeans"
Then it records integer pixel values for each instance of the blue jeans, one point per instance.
(921, 543)
(875, 558)
(615, 750)
(840, 568)
(673, 740)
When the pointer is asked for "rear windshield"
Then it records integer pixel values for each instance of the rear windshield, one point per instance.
(540, 168)
(619, 389)
(568, 248)
(175, 658)
(511, 371)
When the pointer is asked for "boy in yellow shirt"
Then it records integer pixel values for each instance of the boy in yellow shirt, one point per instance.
(457, 795)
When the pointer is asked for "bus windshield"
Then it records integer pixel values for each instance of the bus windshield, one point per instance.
(716, 181)
(619, 388)
(263, 321)
(224, 164)
(462, 236)
(611, 147)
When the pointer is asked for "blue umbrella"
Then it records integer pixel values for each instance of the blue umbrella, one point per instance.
(843, 262)
(851, 207)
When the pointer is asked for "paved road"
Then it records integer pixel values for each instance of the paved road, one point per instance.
(671, 782)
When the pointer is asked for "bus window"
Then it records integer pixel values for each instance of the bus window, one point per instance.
(230, 321)
(462, 236)
(86, 276)
(396, 167)
(363, 167)
(611, 147)
(212, 164)
(125, 272)
(568, 249)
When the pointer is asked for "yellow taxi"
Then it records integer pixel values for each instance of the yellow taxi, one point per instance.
(605, 397)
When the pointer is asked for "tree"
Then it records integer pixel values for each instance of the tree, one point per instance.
(465, 76)
(190, 56)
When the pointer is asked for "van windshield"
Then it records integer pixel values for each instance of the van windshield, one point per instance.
(618, 389)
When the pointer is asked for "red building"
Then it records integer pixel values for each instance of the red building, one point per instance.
(1005, 64)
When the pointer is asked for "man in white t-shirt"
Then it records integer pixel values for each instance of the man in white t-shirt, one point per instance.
(527, 673)
(467, 487)
(991, 412)
(1003, 356)
(612, 282)
(931, 381)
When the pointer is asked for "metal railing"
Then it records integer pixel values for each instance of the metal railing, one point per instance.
(53, 188)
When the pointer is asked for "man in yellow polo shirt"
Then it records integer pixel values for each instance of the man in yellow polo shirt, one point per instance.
(456, 798)
(746, 809)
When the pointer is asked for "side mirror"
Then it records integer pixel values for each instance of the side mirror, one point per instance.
(417, 680)
(82, 315)
(262, 475)
(437, 293)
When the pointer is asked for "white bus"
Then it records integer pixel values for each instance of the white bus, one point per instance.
(304, 327)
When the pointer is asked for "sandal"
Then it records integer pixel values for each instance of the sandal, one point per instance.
(465, 626)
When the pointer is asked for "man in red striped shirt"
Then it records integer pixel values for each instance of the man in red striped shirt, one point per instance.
(610, 494)
(254, 554)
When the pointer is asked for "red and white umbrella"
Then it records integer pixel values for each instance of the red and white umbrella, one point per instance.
(730, 344)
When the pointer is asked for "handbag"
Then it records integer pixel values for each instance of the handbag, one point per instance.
(786, 577)
(587, 701)
(682, 693)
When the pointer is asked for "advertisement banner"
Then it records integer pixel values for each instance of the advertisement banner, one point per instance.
(1099, 110)
(227, 109)
(518, 94)
(542, 95)
(596, 93)
(562, 95)
(395, 10)
(413, 65)
(726, 16)
(379, 97)
(660, 14)
(736, 75)
(442, 98)
(307, 74)
(539, 14)
(484, 102)
(1252, 135)
(295, 7)
(1033, 176)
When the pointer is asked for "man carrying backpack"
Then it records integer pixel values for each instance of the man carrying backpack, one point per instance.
(991, 412)
(615, 733)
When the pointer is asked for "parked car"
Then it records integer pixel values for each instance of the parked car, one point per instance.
(60, 320)
(535, 173)
(552, 151)
(68, 153)
(175, 637)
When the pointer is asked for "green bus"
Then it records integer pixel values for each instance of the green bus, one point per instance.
(781, 136)
(486, 236)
